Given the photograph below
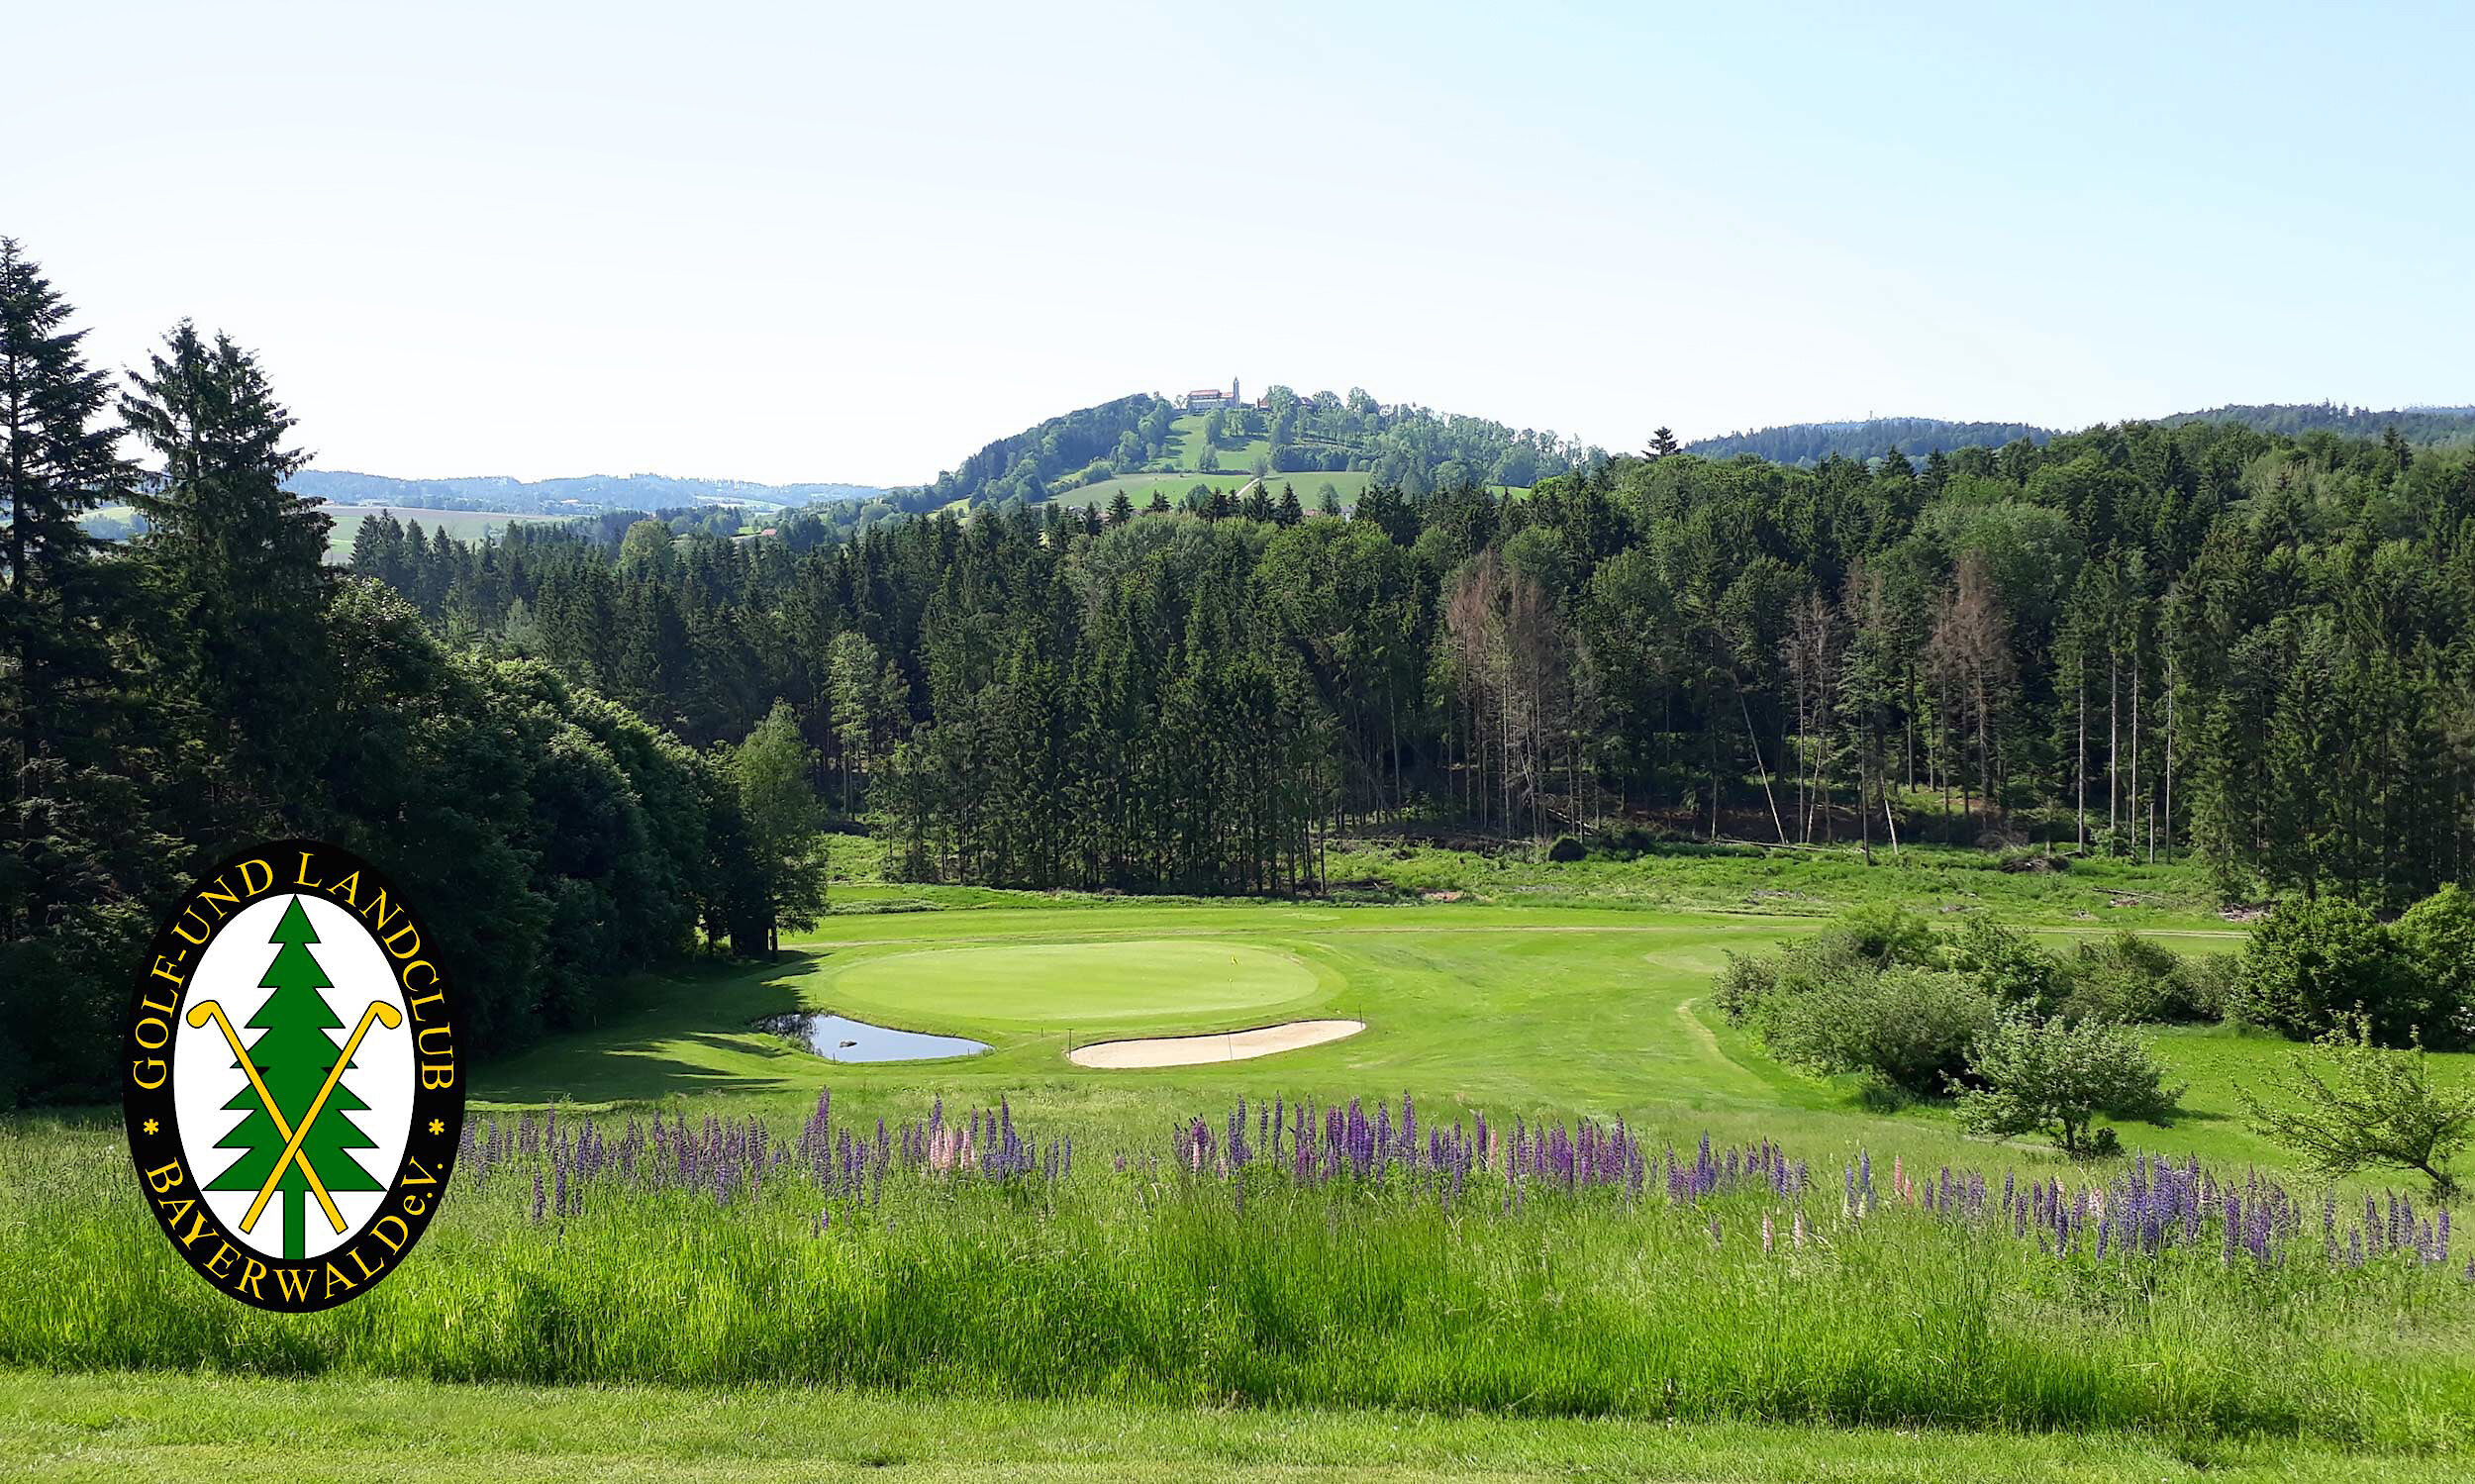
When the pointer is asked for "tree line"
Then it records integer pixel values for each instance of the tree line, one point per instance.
(214, 683)
(2137, 639)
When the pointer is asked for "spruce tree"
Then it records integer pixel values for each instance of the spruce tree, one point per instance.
(80, 859)
(236, 566)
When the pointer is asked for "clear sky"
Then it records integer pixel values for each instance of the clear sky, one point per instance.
(806, 240)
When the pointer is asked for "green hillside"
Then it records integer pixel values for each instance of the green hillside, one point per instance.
(1141, 443)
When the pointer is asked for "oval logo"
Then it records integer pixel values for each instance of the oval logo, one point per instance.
(293, 1097)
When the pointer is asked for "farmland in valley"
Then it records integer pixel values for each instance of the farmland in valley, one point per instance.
(463, 525)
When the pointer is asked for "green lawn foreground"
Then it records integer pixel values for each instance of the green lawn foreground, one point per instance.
(121, 1427)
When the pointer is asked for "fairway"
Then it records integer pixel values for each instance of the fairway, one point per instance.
(1075, 983)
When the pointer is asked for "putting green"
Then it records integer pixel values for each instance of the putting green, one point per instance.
(1096, 984)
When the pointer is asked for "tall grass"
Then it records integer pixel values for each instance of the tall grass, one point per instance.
(1146, 1282)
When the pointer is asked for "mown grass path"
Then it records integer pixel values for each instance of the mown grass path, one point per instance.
(114, 1428)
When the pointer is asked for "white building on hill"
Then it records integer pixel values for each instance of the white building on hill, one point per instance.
(1211, 396)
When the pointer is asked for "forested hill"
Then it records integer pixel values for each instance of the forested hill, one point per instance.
(2415, 425)
(1401, 446)
(1808, 444)
(1024, 465)
(581, 495)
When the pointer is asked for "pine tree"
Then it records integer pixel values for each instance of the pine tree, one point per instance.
(293, 1055)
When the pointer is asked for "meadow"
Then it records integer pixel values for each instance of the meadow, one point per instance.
(1664, 1247)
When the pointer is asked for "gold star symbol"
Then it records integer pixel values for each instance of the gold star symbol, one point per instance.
(151, 1127)
(436, 1126)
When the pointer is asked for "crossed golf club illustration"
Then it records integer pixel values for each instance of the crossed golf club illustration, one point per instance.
(381, 1012)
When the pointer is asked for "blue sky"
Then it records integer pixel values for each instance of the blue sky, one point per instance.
(806, 241)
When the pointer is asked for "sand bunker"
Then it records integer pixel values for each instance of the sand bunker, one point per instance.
(1227, 1045)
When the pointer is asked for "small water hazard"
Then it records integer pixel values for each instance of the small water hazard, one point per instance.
(842, 1038)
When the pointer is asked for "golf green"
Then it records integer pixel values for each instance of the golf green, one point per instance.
(1097, 984)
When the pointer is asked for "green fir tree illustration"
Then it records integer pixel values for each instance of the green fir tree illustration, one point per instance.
(293, 1056)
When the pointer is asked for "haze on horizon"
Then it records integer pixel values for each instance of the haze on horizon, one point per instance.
(788, 242)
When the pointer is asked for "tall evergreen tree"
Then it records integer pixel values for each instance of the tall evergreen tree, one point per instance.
(82, 860)
(235, 568)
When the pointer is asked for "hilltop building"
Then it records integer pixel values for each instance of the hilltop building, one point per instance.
(1211, 397)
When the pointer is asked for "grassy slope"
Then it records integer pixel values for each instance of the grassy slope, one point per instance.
(1181, 472)
(117, 1426)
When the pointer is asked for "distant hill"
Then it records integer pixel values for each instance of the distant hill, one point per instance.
(1138, 442)
(1812, 443)
(2416, 425)
(582, 495)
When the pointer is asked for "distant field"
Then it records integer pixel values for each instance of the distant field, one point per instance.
(463, 525)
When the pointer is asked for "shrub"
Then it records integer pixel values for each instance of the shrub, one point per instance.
(1746, 985)
(2210, 979)
(2371, 1107)
(2437, 941)
(2055, 1077)
(1910, 1027)
(2007, 965)
(2310, 962)
(1889, 935)
(1748, 989)
(2128, 977)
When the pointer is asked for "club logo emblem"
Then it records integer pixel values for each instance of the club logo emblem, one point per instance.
(293, 1094)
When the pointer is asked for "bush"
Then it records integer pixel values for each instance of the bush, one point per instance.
(2055, 1075)
(2008, 966)
(1746, 985)
(2437, 941)
(2209, 979)
(2367, 1107)
(1749, 989)
(2128, 977)
(2310, 962)
(1889, 935)
(1910, 1027)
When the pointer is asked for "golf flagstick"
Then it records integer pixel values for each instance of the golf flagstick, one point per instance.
(199, 1014)
(381, 1011)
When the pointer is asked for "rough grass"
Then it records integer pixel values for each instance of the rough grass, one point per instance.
(1156, 1288)
(1937, 880)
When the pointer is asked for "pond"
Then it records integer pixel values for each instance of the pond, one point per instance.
(845, 1040)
